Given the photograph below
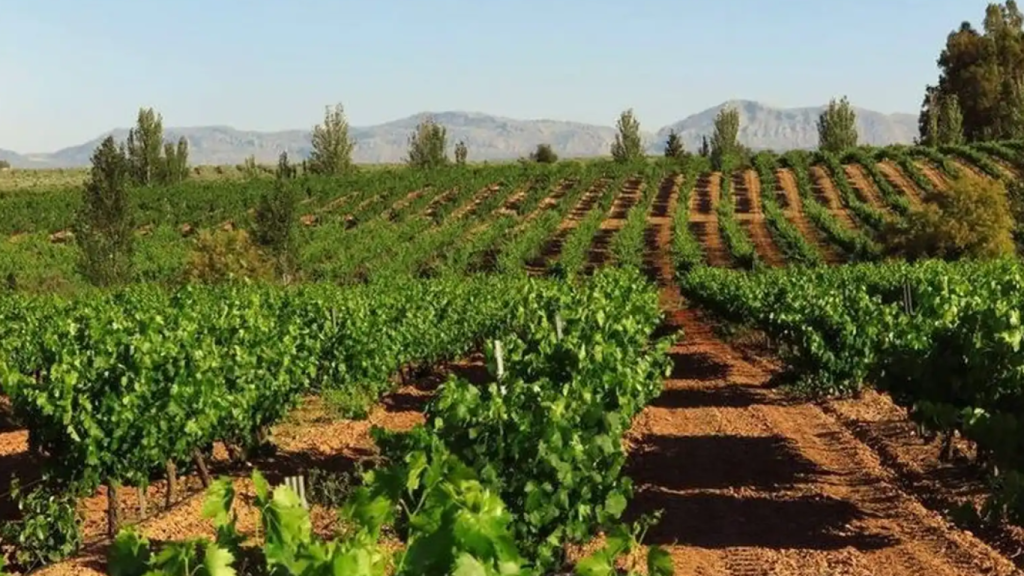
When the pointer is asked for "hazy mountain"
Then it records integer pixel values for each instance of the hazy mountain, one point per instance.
(494, 137)
(764, 127)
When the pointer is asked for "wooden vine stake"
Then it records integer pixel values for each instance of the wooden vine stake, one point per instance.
(113, 522)
(559, 326)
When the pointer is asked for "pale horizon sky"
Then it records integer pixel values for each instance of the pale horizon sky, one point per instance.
(71, 70)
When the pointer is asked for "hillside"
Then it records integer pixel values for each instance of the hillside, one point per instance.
(496, 138)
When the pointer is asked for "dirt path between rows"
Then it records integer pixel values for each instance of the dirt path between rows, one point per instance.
(969, 167)
(754, 484)
(704, 219)
(826, 193)
(901, 182)
(793, 208)
(553, 246)
(1006, 167)
(933, 174)
(629, 196)
(864, 187)
(747, 195)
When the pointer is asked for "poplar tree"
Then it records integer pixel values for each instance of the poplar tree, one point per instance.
(725, 145)
(145, 142)
(837, 127)
(628, 145)
(332, 147)
(461, 153)
(983, 68)
(427, 145)
(950, 124)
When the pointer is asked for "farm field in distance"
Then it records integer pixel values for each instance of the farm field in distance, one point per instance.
(771, 273)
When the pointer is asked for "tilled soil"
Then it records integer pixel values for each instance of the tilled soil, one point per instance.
(900, 181)
(825, 191)
(1007, 168)
(794, 212)
(932, 173)
(752, 483)
(599, 252)
(965, 166)
(747, 191)
(864, 187)
(704, 219)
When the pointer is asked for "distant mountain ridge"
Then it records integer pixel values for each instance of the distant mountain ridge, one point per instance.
(497, 138)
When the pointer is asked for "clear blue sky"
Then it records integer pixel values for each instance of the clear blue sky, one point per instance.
(73, 69)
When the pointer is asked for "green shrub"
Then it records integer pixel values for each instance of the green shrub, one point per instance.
(969, 219)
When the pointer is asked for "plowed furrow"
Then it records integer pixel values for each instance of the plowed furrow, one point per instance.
(704, 220)
(826, 193)
(746, 185)
(901, 182)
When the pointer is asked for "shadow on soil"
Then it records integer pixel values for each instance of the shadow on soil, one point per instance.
(713, 462)
(277, 466)
(23, 466)
(699, 366)
(723, 521)
(672, 469)
(726, 397)
(7, 423)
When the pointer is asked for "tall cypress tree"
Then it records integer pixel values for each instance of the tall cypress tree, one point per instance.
(103, 225)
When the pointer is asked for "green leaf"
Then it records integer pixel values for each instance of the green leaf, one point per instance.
(128, 556)
(219, 497)
(466, 565)
(597, 564)
(659, 562)
(217, 561)
(262, 487)
(417, 465)
(615, 504)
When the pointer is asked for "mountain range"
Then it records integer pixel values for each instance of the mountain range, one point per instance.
(497, 138)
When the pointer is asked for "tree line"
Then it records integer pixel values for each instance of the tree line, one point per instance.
(979, 94)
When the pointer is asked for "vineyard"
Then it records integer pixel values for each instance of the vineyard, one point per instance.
(539, 369)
